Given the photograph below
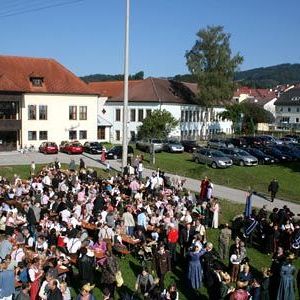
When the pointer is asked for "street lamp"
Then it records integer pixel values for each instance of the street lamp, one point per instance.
(125, 105)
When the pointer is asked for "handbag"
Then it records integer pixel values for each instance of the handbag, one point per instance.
(119, 279)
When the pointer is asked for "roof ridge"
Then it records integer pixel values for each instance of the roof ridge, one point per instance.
(155, 90)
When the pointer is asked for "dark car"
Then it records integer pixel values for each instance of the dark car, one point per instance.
(253, 141)
(238, 142)
(288, 150)
(71, 148)
(92, 147)
(219, 143)
(116, 152)
(272, 151)
(189, 146)
(48, 148)
(262, 157)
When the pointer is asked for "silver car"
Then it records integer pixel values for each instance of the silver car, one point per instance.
(214, 158)
(148, 144)
(173, 146)
(240, 157)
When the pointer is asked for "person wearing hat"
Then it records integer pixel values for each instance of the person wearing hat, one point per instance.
(85, 292)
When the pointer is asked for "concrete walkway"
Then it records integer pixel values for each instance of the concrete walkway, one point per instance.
(234, 195)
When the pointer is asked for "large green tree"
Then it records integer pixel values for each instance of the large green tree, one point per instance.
(245, 116)
(158, 124)
(210, 60)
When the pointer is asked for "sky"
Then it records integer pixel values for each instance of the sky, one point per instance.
(87, 36)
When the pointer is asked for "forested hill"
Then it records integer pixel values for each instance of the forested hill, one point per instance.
(267, 77)
(105, 77)
(270, 76)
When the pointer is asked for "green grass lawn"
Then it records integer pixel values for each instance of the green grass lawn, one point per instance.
(131, 267)
(258, 178)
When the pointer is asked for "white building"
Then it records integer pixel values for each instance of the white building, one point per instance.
(288, 110)
(151, 94)
(40, 101)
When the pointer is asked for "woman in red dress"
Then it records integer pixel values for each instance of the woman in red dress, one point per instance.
(203, 188)
(103, 155)
(35, 273)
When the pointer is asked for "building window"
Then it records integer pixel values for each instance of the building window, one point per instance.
(36, 81)
(82, 112)
(190, 116)
(141, 115)
(82, 134)
(298, 109)
(72, 112)
(182, 116)
(43, 112)
(118, 114)
(198, 117)
(101, 133)
(285, 120)
(43, 135)
(132, 115)
(297, 120)
(31, 112)
(289, 109)
(186, 116)
(148, 113)
(118, 135)
(194, 116)
(31, 135)
(72, 135)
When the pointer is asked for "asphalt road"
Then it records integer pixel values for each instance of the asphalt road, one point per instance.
(235, 195)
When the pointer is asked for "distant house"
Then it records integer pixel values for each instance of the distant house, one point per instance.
(264, 98)
(288, 110)
(154, 93)
(40, 100)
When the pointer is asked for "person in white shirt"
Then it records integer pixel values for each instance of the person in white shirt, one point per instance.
(73, 244)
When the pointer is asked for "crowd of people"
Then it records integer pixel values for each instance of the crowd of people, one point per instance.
(67, 228)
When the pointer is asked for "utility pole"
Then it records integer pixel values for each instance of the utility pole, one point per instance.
(125, 105)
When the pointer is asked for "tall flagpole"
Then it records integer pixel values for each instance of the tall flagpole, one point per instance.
(125, 105)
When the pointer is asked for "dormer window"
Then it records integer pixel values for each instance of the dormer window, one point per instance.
(37, 81)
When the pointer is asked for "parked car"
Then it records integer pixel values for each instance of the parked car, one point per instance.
(71, 148)
(294, 136)
(253, 141)
(148, 144)
(293, 152)
(219, 143)
(262, 157)
(116, 152)
(93, 147)
(269, 140)
(240, 157)
(173, 146)
(48, 148)
(189, 146)
(238, 142)
(272, 151)
(289, 140)
(212, 157)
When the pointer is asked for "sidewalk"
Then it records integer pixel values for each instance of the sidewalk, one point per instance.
(234, 195)
(224, 192)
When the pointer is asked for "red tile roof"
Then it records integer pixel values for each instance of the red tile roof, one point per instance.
(111, 88)
(259, 94)
(15, 74)
(149, 90)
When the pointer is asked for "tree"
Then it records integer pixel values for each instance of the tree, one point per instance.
(158, 124)
(210, 60)
(234, 114)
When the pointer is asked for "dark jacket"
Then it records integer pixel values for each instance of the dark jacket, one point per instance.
(163, 262)
(55, 294)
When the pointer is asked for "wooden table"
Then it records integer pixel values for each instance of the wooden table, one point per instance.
(89, 226)
(129, 240)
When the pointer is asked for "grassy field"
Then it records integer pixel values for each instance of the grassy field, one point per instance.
(131, 267)
(257, 178)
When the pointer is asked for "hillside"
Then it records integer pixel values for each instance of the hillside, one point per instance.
(270, 76)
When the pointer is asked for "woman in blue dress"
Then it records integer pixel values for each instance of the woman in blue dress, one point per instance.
(194, 267)
(286, 289)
